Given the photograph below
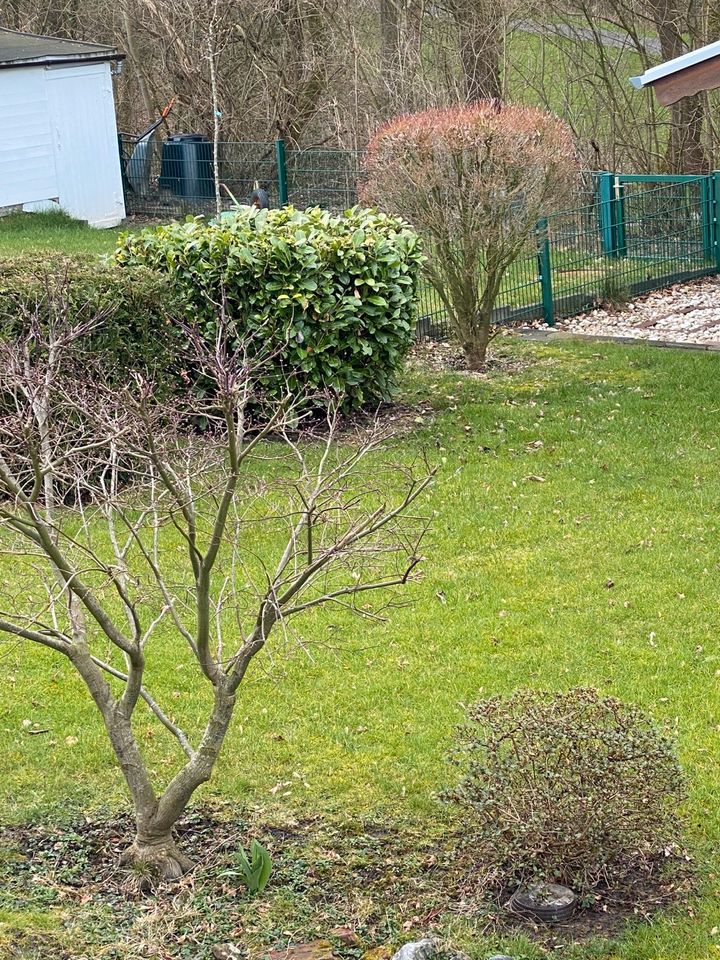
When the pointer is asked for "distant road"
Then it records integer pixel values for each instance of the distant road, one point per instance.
(610, 38)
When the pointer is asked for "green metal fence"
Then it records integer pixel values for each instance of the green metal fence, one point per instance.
(176, 176)
(638, 233)
(628, 235)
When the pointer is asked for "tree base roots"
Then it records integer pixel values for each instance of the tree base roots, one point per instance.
(155, 861)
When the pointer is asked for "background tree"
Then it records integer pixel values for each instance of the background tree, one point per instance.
(322, 72)
(473, 181)
(596, 47)
(482, 27)
(268, 524)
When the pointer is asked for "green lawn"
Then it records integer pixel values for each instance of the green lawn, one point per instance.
(515, 592)
(25, 233)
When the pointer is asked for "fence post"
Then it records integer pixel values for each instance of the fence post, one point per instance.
(619, 217)
(282, 172)
(612, 215)
(714, 190)
(605, 193)
(545, 269)
(708, 211)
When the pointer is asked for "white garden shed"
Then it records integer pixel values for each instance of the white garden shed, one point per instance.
(58, 135)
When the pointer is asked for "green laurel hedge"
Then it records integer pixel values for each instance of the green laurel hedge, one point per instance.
(333, 295)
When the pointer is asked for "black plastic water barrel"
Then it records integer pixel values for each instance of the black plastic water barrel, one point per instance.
(186, 169)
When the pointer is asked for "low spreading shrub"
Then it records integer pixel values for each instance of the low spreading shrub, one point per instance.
(133, 311)
(570, 787)
(335, 294)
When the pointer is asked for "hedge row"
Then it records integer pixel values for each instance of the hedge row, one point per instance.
(332, 296)
(136, 308)
(335, 295)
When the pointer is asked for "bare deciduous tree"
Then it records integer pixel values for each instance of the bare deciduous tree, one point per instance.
(98, 488)
(596, 46)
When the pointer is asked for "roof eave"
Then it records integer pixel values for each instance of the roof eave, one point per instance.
(70, 60)
(678, 65)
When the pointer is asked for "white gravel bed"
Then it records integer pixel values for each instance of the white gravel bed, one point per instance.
(684, 313)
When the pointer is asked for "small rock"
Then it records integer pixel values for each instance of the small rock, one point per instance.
(501, 956)
(417, 950)
(314, 950)
(226, 951)
(345, 935)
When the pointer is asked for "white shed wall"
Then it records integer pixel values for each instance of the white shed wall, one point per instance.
(27, 157)
(58, 141)
(82, 121)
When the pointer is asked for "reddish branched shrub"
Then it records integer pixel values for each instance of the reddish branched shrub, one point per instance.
(474, 180)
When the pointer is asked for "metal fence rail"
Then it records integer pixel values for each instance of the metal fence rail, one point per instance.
(639, 233)
(629, 234)
(176, 176)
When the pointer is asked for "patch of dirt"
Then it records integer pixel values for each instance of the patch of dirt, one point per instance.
(441, 356)
(383, 881)
(394, 418)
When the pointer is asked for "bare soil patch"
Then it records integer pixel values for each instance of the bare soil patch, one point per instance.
(386, 882)
(446, 356)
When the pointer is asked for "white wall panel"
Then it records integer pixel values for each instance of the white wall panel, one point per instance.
(27, 162)
(84, 137)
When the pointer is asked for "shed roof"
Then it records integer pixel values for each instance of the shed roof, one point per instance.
(28, 50)
(692, 72)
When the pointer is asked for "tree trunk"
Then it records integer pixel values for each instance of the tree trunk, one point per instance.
(480, 50)
(685, 152)
(390, 38)
(154, 851)
(137, 62)
(155, 856)
(475, 346)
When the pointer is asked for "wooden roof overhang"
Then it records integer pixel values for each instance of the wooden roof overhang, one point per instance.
(684, 76)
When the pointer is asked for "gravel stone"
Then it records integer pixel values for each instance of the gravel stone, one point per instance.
(418, 950)
(687, 313)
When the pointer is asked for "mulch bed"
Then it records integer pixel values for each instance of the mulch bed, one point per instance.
(385, 882)
(446, 356)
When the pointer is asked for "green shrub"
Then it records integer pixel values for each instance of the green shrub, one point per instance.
(135, 308)
(568, 787)
(335, 295)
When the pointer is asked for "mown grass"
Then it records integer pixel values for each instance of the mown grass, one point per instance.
(53, 231)
(527, 539)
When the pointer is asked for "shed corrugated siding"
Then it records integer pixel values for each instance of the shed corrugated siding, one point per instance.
(27, 162)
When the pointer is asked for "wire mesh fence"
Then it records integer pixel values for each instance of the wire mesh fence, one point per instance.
(637, 234)
(176, 176)
(323, 178)
(629, 233)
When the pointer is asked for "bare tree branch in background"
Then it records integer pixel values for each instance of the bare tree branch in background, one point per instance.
(325, 72)
(596, 47)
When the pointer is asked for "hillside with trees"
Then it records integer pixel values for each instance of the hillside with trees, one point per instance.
(327, 72)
